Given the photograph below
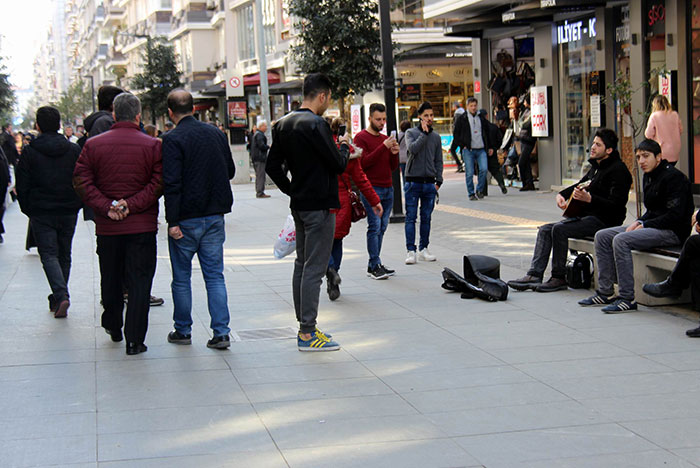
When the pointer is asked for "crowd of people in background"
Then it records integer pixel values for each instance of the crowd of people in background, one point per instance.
(116, 168)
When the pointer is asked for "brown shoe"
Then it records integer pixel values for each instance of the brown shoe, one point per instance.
(264, 195)
(552, 284)
(62, 310)
(525, 283)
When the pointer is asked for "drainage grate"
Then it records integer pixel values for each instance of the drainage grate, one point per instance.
(258, 334)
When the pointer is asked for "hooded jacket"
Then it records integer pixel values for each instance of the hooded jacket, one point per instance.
(98, 122)
(44, 176)
(668, 198)
(609, 189)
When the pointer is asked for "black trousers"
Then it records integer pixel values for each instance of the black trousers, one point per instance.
(130, 259)
(54, 239)
(3, 195)
(687, 270)
(554, 238)
(495, 170)
(524, 166)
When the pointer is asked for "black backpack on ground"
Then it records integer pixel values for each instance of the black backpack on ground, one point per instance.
(579, 271)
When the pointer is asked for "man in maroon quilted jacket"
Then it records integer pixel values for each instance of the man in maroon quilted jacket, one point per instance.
(119, 175)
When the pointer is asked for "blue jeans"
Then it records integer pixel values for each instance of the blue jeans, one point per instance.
(426, 193)
(376, 227)
(205, 237)
(479, 156)
(336, 254)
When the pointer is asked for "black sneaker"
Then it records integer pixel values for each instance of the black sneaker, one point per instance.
(176, 337)
(480, 195)
(504, 189)
(620, 306)
(135, 348)
(116, 335)
(473, 198)
(389, 271)
(219, 342)
(597, 300)
(377, 273)
(693, 333)
(157, 301)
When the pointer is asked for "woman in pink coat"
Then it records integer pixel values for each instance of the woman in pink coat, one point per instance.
(664, 126)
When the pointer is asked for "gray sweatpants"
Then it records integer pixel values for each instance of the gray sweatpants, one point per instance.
(613, 250)
(315, 231)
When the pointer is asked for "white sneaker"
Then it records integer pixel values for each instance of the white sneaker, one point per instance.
(411, 257)
(425, 256)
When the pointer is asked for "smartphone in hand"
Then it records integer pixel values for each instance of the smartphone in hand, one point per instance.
(341, 130)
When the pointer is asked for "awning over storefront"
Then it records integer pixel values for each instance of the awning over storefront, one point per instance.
(287, 86)
(218, 89)
(205, 104)
(441, 51)
(254, 80)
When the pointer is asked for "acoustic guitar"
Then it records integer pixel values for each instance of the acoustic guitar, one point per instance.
(574, 208)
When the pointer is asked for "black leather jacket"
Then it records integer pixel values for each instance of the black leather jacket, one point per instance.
(303, 141)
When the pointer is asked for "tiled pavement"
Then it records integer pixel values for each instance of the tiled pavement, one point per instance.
(424, 378)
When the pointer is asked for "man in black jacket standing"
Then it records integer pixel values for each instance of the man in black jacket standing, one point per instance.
(46, 195)
(668, 199)
(471, 134)
(303, 141)
(258, 153)
(603, 204)
(197, 169)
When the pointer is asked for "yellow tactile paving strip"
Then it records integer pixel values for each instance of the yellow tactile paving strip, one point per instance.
(497, 218)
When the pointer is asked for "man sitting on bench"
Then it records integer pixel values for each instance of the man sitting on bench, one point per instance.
(601, 204)
(669, 203)
(686, 273)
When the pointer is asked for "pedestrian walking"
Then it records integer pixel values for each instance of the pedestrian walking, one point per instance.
(471, 135)
(423, 180)
(343, 216)
(524, 145)
(665, 127)
(302, 141)
(197, 169)
(102, 120)
(68, 133)
(258, 153)
(380, 157)
(46, 195)
(5, 183)
(8, 145)
(119, 176)
(495, 137)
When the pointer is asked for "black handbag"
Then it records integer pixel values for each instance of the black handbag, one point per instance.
(579, 271)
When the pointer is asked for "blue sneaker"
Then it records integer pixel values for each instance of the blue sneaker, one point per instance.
(620, 306)
(597, 300)
(325, 336)
(316, 343)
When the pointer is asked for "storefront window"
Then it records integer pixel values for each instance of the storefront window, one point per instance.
(577, 62)
(695, 90)
(655, 35)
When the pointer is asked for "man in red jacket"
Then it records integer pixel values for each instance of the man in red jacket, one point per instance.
(119, 176)
(380, 157)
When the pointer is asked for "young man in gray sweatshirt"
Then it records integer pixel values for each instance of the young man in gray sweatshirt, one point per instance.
(423, 180)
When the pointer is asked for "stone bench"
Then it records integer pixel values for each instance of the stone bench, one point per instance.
(650, 266)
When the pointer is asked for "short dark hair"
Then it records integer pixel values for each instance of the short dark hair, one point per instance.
(650, 146)
(472, 99)
(404, 125)
(609, 137)
(316, 83)
(376, 107)
(48, 119)
(424, 107)
(180, 102)
(106, 95)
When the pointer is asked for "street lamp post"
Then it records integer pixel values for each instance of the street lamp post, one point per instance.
(390, 100)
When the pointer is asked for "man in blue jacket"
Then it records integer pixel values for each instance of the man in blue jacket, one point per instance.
(197, 169)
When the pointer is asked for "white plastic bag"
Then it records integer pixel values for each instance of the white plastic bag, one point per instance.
(286, 241)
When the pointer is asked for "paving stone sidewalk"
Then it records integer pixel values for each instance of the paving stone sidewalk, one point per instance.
(424, 379)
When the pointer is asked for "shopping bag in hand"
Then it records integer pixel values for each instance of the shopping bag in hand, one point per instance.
(286, 242)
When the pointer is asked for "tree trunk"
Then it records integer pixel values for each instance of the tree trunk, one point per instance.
(341, 104)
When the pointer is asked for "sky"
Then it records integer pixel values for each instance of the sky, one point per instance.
(23, 26)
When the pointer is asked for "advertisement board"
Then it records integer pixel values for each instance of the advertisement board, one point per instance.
(539, 111)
